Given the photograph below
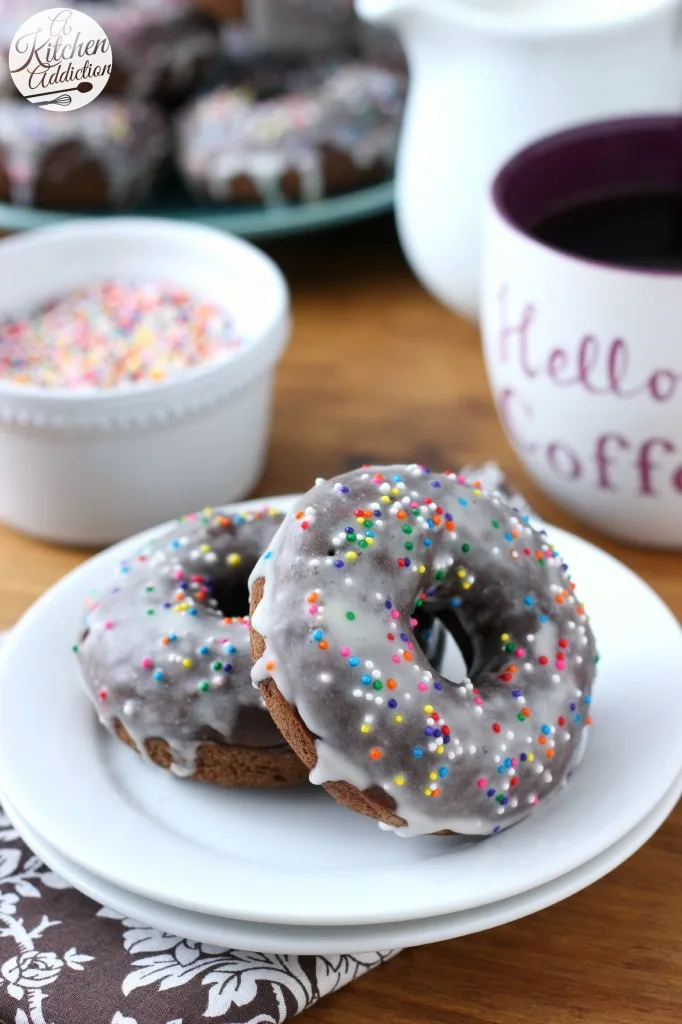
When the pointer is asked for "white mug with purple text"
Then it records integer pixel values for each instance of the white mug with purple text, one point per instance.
(582, 321)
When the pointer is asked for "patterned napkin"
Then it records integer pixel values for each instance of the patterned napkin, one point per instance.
(66, 960)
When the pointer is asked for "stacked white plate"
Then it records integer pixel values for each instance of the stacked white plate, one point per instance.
(290, 871)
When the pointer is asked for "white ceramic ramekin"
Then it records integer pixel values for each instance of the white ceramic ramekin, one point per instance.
(84, 467)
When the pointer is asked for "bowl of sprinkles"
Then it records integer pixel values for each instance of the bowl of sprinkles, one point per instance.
(137, 362)
(114, 333)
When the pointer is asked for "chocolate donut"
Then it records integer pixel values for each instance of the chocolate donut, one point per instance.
(337, 134)
(333, 603)
(108, 154)
(165, 654)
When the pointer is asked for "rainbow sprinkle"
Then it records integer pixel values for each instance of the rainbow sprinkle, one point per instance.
(115, 333)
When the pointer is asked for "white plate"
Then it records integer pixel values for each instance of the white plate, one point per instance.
(295, 857)
(269, 938)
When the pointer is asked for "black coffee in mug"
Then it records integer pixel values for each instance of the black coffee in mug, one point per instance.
(630, 228)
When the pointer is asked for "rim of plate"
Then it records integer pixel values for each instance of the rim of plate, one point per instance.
(319, 941)
(590, 814)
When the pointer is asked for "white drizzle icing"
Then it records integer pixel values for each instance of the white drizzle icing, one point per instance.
(333, 764)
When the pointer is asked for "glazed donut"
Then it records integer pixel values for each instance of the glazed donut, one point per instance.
(165, 654)
(337, 134)
(333, 604)
(108, 154)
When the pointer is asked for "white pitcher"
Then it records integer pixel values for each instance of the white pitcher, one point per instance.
(487, 77)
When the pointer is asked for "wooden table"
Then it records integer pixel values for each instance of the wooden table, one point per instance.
(378, 372)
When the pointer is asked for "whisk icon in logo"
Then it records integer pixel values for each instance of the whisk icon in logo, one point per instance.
(60, 59)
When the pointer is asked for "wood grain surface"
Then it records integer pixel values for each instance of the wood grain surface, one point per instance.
(378, 372)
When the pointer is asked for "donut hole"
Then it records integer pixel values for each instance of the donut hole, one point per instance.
(232, 597)
(446, 643)
(459, 640)
(255, 728)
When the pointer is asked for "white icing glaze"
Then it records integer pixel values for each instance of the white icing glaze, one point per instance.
(339, 589)
(184, 758)
(333, 765)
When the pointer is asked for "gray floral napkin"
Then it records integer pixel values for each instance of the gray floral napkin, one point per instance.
(66, 960)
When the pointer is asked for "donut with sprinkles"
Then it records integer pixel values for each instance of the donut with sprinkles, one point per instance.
(165, 653)
(335, 601)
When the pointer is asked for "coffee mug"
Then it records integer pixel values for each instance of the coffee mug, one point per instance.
(581, 317)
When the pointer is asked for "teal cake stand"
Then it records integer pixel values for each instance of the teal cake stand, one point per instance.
(247, 221)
